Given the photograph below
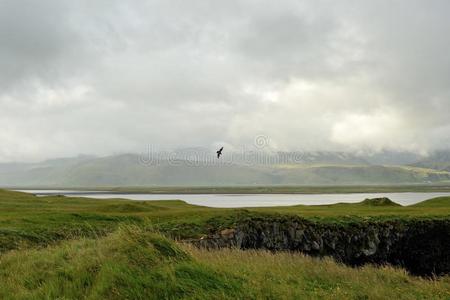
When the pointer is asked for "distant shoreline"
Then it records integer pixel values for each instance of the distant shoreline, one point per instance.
(246, 189)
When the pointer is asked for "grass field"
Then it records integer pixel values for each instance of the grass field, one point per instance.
(27, 220)
(135, 264)
(74, 248)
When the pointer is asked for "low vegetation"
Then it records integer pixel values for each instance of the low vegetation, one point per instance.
(128, 264)
(284, 275)
(74, 248)
(134, 263)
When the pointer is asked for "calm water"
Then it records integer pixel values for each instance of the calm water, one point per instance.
(251, 200)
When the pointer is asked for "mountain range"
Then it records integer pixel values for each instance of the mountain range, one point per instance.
(200, 167)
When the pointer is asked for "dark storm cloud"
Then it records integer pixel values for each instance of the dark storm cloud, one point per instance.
(111, 76)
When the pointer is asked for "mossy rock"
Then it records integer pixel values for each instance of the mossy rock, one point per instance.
(379, 202)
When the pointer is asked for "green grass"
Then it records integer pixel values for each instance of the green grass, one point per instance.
(77, 248)
(283, 275)
(134, 263)
(27, 220)
(439, 202)
(128, 264)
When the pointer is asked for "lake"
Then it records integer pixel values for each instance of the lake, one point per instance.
(249, 200)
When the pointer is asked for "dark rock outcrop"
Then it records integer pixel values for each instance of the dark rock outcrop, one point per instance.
(420, 246)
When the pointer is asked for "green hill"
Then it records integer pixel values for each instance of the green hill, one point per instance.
(131, 170)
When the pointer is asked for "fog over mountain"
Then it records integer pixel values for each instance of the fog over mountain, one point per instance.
(109, 77)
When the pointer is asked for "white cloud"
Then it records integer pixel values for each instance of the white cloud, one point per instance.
(382, 129)
(111, 76)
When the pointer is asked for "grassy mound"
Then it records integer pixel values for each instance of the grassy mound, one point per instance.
(379, 202)
(128, 264)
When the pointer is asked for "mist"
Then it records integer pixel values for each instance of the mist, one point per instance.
(112, 77)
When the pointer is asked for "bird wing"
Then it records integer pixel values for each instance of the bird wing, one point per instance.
(219, 152)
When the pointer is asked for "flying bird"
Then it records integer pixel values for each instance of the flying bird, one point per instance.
(219, 153)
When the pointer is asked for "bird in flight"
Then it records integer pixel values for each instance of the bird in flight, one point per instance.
(219, 153)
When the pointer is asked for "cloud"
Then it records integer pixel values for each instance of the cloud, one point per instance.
(111, 76)
(359, 131)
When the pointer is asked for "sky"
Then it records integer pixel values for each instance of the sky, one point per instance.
(107, 77)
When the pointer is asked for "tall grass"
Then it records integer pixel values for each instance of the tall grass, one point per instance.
(132, 263)
(284, 275)
(128, 264)
(76, 248)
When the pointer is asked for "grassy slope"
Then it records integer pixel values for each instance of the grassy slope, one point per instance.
(128, 264)
(439, 202)
(136, 264)
(87, 248)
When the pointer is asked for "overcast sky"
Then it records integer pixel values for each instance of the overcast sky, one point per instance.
(103, 77)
